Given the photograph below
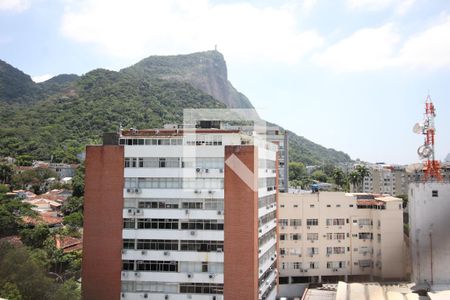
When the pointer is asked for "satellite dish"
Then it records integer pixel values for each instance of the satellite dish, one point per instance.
(418, 128)
(424, 151)
(413, 168)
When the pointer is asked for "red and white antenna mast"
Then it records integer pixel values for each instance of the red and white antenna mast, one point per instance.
(432, 168)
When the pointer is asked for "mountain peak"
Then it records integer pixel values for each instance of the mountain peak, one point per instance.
(206, 71)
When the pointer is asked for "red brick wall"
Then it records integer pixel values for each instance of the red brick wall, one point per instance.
(102, 236)
(241, 229)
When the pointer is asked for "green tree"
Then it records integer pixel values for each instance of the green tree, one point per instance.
(36, 178)
(339, 177)
(296, 184)
(69, 290)
(319, 175)
(78, 182)
(36, 236)
(297, 170)
(74, 220)
(73, 204)
(10, 291)
(3, 189)
(24, 160)
(11, 214)
(6, 173)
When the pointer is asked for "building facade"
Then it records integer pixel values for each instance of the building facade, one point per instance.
(331, 236)
(181, 214)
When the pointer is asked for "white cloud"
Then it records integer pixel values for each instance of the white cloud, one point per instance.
(429, 49)
(400, 6)
(366, 49)
(371, 49)
(134, 29)
(41, 78)
(14, 5)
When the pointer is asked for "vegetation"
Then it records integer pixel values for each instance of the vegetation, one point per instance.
(54, 120)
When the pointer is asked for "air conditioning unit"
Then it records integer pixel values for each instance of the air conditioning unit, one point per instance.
(210, 192)
(198, 191)
(166, 297)
(308, 227)
(138, 211)
(282, 227)
(335, 270)
(190, 275)
(124, 251)
(305, 270)
(198, 170)
(219, 212)
(130, 211)
(219, 250)
(166, 253)
(186, 211)
(189, 296)
(206, 170)
(137, 190)
(130, 190)
(137, 274)
(145, 295)
(144, 252)
(260, 231)
(124, 274)
(211, 276)
(220, 170)
(192, 232)
(123, 295)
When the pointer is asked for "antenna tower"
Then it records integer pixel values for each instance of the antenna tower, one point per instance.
(432, 168)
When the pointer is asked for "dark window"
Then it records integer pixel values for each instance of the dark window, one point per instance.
(434, 193)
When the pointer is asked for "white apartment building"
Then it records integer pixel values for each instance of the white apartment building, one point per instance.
(191, 221)
(331, 236)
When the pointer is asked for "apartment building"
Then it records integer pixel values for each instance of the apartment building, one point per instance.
(394, 179)
(278, 136)
(331, 236)
(181, 214)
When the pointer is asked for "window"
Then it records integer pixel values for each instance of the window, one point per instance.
(312, 236)
(312, 222)
(295, 236)
(295, 222)
(329, 236)
(201, 246)
(365, 236)
(312, 250)
(128, 244)
(314, 265)
(434, 193)
(128, 265)
(328, 205)
(282, 251)
(283, 222)
(297, 265)
(157, 245)
(157, 266)
(339, 236)
(129, 223)
(311, 205)
(283, 236)
(157, 223)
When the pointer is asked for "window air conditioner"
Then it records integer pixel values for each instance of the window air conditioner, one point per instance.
(193, 232)
(130, 211)
(137, 190)
(219, 249)
(210, 192)
(198, 170)
(219, 212)
(144, 252)
(123, 295)
(190, 275)
(129, 190)
(145, 295)
(211, 276)
(186, 211)
(137, 274)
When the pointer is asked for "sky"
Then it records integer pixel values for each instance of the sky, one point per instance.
(352, 75)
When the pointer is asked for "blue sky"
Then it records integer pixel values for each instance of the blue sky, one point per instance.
(348, 74)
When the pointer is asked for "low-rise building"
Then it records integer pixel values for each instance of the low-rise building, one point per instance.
(331, 236)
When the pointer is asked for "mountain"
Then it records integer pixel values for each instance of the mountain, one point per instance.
(15, 86)
(206, 71)
(58, 117)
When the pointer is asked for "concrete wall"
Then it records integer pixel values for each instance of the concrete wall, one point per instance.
(429, 219)
(102, 236)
